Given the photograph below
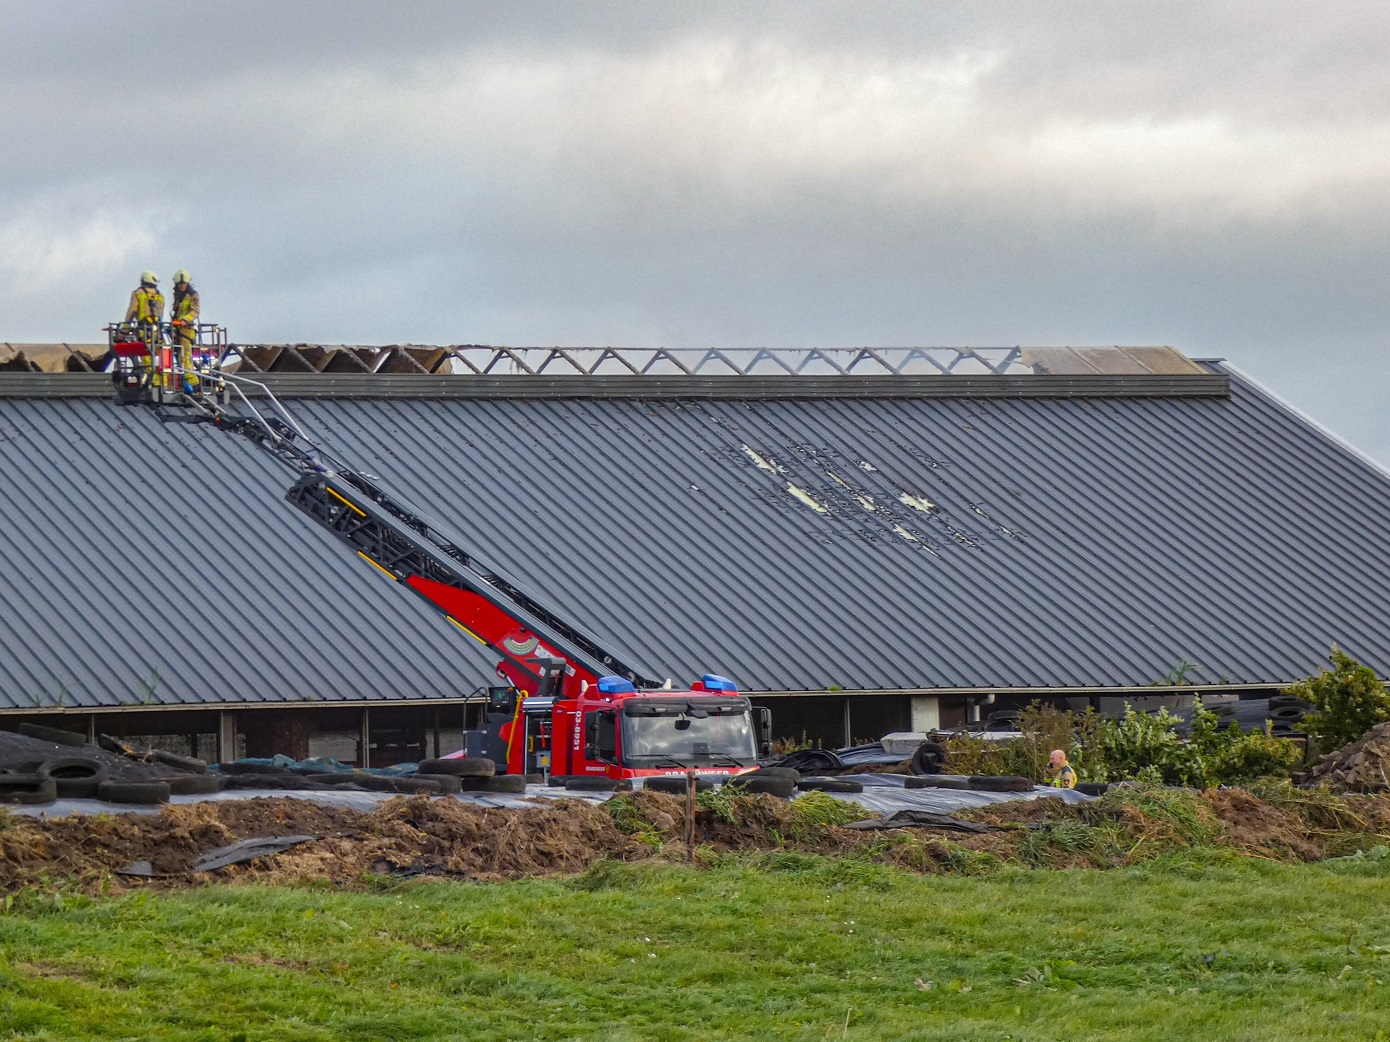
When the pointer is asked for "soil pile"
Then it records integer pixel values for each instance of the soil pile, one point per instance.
(406, 835)
(1362, 766)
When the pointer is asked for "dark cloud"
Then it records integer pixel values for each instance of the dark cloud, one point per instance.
(1211, 175)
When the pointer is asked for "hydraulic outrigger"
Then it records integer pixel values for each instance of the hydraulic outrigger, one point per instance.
(560, 681)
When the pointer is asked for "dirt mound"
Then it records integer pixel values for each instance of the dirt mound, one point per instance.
(415, 835)
(1361, 766)
(1255, 827)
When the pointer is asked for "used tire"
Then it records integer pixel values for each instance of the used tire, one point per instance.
(195, 784)
(673, 785)
(751, 783)
(940, 781)
(28, 790)
(463, 767)
(448, 783)
(1000, 783)
(586, 784)
(52, 734)
(183, 763)
(288, 782)
(77, 777)
(535, 779)
(829, 785)
(143, 792)
(775, 772)
(1092, 788)
(929, 758)
(505, 783)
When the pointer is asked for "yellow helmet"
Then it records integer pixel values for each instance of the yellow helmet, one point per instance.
(149, 278)
(182, 276)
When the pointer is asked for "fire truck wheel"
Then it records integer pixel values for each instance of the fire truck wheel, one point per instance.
(505, 783)
(195, 784)
(585, 784)
(938, 781)
(758, 782)
(134, 792)
(462, 767)
(775, 772)
(675, 786)
(77, 777)
(52, 734)
(829, 785)
(1000, 783)
(27, 789)
(929, 758)
(448, 783)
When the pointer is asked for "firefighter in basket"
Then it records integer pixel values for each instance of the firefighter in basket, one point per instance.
(183, 324)
(146, 310)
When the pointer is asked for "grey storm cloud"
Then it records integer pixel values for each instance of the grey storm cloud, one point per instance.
(1208, 175)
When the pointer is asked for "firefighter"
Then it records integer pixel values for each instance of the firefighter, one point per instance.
(1060, 771)
(183, 322)
(146, 309)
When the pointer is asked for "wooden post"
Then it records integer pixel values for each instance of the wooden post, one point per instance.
(690, 778)
(226, 737)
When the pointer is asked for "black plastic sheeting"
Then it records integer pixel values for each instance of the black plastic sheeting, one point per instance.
(883, 794)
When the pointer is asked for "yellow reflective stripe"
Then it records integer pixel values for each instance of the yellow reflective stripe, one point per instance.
(465, 629)
(347, 504)
(378, 567)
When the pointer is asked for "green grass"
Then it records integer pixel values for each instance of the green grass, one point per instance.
(772, 946)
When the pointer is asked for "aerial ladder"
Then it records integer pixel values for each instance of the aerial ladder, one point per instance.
(559, 680)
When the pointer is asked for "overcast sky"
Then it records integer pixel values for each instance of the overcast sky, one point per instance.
(1211, 175)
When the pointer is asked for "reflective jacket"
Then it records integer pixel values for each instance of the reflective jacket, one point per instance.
(146, 306)
(1065, 778)
(185, 307)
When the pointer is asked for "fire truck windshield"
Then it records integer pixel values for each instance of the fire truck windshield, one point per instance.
(689, 735)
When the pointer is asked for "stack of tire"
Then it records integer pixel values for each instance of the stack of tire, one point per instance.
(79, 776)
(1286, 715)
(469, 774)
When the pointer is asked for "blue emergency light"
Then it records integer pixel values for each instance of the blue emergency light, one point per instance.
(714, 682)
(615, 686)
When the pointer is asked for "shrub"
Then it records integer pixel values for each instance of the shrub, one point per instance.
(1348, 701)
(1136, 747)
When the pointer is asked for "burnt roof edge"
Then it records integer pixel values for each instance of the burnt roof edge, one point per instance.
(422, 386)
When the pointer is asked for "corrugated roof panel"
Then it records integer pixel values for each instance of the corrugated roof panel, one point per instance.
(792, 543)
(159, 564)
(912, 543)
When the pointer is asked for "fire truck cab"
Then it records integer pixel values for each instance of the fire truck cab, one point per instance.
(613, 730)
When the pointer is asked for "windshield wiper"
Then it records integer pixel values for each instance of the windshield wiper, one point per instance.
(662, 756)
(728, 761)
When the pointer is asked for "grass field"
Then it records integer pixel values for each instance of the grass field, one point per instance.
(781, 946)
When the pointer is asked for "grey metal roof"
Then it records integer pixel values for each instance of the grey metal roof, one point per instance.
(913, 543)
(791, 543)
(156, 564)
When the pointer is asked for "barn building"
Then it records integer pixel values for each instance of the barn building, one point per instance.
(866, 541)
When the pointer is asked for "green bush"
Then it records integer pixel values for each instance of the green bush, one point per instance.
(1136, 747)
(1348, 701)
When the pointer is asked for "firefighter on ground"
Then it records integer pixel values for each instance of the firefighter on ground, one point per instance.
(183, 322)
(1061, 773)
(146, 309)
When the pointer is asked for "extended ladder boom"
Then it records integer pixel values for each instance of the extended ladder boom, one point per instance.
(541, 652)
